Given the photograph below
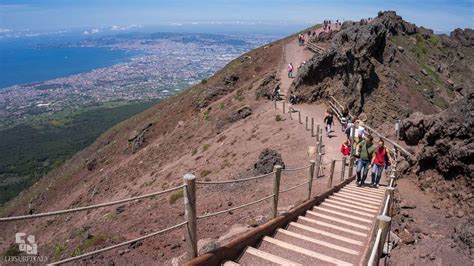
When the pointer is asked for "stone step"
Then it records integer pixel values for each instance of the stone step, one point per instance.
(376, 191)
(330, 227)
(351, 206)
(253, 256)
(361, 194)
(332, 219)
(355, 199)
(298, 254)
(320, 233)
(316, 245)
(349, 210)
(351, 203)
(355, 196)
(342, 214)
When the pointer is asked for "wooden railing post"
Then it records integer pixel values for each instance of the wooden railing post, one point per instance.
(312, 126)
(343, 168)
(306, 125)
(284, 107)
(310, 177)
(389, 194)
(319, 158)
(291, 114)
(331, 175)
(351, 167)
(384, 224)
(391, 183)
(275, 102)
(317, 132)
(189, 192)
(276, 189)
(299, 117)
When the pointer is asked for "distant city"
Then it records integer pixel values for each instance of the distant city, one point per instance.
(167, 63)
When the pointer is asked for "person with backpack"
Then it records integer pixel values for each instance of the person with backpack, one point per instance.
(365, 151)
(381, 159)
(328, 121)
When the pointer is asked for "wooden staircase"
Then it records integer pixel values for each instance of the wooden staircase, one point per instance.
(332, 233)
(314, 47)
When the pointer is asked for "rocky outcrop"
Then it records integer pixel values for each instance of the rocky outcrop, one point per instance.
(241, 113)
(354, 66)
(267, 159)
(267, 86)
(446, 139)
(137, 139)
(464, 37)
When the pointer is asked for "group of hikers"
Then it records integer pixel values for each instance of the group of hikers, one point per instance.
(301, 39)
(360, 144)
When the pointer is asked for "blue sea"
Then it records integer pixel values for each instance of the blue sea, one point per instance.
(22, 62)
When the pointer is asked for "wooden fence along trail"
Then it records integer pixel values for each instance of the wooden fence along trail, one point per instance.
(346, 225)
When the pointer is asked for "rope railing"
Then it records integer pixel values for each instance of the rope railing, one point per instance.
(118, 245)
(52, 213)
(233, 181)
(234, 208)
(294, 187)
(295, 169)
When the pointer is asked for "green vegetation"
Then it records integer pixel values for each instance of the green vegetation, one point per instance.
(205, 147)
(58, 250)
(77, 251)
(206, 115)
(13, 250)
(175, 196)
(30, 150)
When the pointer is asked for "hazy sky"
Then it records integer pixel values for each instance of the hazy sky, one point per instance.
(53, 14)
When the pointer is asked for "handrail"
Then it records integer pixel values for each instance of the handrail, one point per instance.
(45, 214)
(374, 250)
(234, 208)
(118, 245)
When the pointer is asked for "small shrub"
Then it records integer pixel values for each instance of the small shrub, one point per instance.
(221, 106)
(205, 147)
(13, 250)
(203, 81)
(77, 251)
(239, 95)
(278, 118)
(206, 115)
(177, 195)
(58, 250)
(194, 152)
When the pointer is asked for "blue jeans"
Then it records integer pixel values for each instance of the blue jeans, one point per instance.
(362, 164)
(376, 174)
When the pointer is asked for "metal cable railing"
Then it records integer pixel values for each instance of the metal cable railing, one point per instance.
(52, 213)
